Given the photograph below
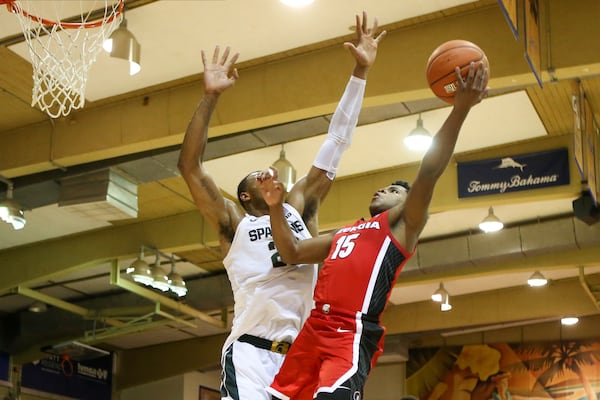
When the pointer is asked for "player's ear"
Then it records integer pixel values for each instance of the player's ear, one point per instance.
(244, 196)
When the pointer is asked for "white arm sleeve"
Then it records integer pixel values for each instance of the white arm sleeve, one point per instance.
(341, 127)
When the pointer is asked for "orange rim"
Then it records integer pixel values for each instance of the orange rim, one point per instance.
(12, 7)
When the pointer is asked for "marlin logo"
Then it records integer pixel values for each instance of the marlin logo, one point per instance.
(510, 163)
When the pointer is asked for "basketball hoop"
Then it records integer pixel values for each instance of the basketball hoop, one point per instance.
(63, 49)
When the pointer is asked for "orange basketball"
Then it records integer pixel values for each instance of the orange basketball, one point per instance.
(442, 62)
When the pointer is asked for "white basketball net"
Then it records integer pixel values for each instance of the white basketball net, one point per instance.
(62, 52)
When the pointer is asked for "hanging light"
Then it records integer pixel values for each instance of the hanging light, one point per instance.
(419, 139)
(122, 44)
(159, 278)
(176, 282)
(438, 295)
(537, 279)
(38, 307)
(569, 320)
(287, 172)
(446, 306)
(491, 223)
(10, 211)
(139, 270)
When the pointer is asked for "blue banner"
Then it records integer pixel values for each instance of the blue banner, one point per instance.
(4, 367)
(85, 380)
(513, 174)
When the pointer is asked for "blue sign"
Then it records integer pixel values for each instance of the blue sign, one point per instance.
(85, 380)
(4, 367)
(513, 174)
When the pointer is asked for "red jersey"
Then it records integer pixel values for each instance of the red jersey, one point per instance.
(361, 269)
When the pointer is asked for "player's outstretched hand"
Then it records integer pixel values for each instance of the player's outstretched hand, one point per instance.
(365, 50)
(272, 190)
(219, 74)
(473, 89)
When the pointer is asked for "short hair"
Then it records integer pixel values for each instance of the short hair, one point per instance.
(243, 187)
(404, 184)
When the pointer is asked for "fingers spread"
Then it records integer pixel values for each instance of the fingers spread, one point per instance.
(215, 55)
(225, 55)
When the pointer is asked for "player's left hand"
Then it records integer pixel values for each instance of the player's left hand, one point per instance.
(473, 89)
(272, 190)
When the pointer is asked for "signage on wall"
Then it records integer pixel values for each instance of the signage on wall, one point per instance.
(86, 379)
(514, 173)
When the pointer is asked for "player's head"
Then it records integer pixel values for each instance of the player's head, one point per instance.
(248, 191)
(388, 197)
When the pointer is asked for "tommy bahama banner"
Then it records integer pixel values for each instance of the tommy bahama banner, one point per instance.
(514, 173)
(561, 370)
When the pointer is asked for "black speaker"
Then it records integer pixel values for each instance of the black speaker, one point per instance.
(585, 209)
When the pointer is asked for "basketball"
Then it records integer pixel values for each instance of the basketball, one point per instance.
(442, 62)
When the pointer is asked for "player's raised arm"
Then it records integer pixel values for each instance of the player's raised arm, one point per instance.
(220, 212)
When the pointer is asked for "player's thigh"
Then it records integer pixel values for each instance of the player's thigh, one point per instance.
(248, 371)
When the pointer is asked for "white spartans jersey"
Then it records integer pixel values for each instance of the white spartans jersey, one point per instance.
(272, 299)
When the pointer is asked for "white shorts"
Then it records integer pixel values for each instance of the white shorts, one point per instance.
(248, 371)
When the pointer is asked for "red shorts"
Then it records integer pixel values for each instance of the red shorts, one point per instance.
(331, 353)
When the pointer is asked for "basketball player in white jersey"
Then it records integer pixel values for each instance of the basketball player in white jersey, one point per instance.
(342, 338)
(272, 299)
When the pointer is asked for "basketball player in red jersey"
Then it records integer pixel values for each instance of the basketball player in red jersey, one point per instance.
(341, 340)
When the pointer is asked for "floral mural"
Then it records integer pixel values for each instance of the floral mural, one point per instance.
(564, 370)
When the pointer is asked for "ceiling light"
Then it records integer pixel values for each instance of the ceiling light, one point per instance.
(297, 3)
(419, 139)
(38, 307)
(287, 172)
(569, 320)
(176, 282)
(438, 295)
(159, 278)
(446, 306)
(122, 44)
(139, 270)
(491, 223)
(10, 211)
(537, 279)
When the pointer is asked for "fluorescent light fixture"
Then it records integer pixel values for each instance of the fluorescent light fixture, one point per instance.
(491, 223)
(537, 279)
(419, 139)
